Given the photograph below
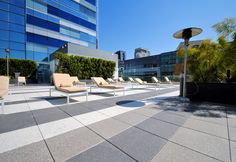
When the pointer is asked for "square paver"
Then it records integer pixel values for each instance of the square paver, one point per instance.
(139, 144)
(204, 143)
(233, 150)
(207, 127)
(214, 116)
(94, 105)
(15, 108)
(109, 127)
(131, 118)
(232, 133)
(58, 127)
(75, 109)
(171, 118)
(72, 143)
(49, 115)
(162, 129)
(104, 152)
(176, 153)
(33, 152)
(148, 111)
(16, 121)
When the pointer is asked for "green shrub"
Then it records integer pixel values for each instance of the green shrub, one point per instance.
(210, 61)
(26, 68)
(84, 67)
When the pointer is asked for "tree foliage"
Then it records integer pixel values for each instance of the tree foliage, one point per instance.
(209, 61)
(26, 68)
(226, 28)
(84, 67)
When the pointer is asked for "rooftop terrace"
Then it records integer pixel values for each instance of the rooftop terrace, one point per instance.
(143, 125)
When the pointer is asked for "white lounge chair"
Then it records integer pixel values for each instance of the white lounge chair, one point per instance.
(21, 80)
(64, 84)
(120, 79)
(76, 81)
(4, 86)
(110, 80)
(101, 83)
(131, 80)
(140, 82)
(155, 80)
(167, 80)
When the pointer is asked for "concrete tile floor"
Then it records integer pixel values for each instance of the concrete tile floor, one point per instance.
(143, 125)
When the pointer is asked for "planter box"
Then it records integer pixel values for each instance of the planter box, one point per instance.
(214, 92)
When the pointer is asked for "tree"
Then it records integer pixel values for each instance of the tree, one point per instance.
(209, 61)
(226, 28)
(202, 61)
(228, 59)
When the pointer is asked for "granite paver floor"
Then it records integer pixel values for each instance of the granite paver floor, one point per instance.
(144, 125)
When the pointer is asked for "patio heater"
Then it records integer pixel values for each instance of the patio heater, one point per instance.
(186, 34)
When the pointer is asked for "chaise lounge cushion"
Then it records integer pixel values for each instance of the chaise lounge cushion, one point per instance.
(61, 79)
(3, 92)
(155, 80)
(66, 85)
(112, 86)
(63, 83)
(72, 89)
(4, 85)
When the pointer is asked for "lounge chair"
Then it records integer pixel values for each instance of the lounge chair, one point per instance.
(101, 83)
(131, 79)
(4, 85)
(64, 84)
(120, 79)
(21, 80)
(167, 80)
(155, 80)
(140, 82)
(76, 81)
(110, 80)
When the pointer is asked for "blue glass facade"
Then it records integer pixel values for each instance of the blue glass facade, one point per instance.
(33, 29)
(12, 28)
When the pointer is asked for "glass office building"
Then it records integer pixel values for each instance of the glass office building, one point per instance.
(147, 67)
(34, 29)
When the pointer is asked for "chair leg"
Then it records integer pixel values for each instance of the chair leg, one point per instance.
(50, 92)
(68, 99)
(2, 107)
(87, 96)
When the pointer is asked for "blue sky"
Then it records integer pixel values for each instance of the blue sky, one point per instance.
(128, 24)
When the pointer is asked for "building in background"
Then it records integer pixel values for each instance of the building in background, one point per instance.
(164, 64)
(121, 59)
(78, 50)
(168, 63)
(147, 67)
(34, 29)
(141, 52)
(144, 68)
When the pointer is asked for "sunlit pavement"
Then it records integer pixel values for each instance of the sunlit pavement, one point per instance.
(145, 124)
